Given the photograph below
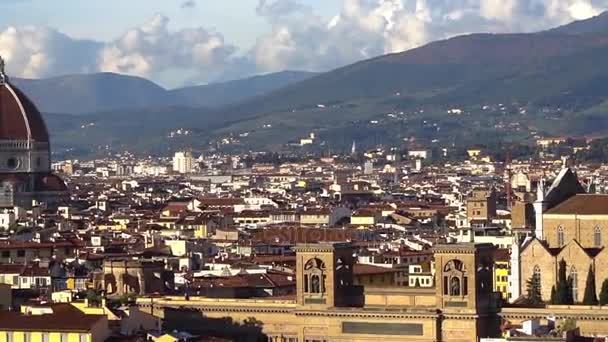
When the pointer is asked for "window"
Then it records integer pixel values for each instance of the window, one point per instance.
(12, 163)
(574, 279)
(21, 253)
(560, 236)
(6, 254)
(597, 237)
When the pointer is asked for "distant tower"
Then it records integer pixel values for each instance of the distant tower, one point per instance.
(368, 168)
(514, 276)
(540, 205)
(353, 149)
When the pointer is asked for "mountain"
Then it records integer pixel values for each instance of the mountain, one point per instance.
(597, 24)
(433, 70)
(79, 94)
(100, 92)
(503, 87)
(221, 94)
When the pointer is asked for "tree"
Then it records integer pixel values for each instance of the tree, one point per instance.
(564, 288)
(590, 297)
(533, 295)
(553, 295)
(604, 293)
(569, 295)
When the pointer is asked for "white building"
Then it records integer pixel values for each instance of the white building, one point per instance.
(7, 219)
(419, 154)
(183, 162)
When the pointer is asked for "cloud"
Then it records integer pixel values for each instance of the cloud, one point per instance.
(298, 38)
(188, 4)
(151, 49)
(40, 51)
(367, 28)
(148, 50)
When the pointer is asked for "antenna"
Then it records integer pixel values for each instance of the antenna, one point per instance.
(509, 188)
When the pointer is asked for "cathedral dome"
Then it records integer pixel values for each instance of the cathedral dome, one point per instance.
(19, 117)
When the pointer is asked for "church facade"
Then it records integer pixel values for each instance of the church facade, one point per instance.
(25, 157)
(571, 226)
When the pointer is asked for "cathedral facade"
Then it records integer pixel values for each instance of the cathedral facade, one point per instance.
(25, 158)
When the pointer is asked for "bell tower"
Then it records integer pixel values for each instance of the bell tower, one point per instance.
(464, 276)
(325, 275)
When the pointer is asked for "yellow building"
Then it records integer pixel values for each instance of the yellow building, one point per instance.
(57, 323)
(501, 278)
(328, 306)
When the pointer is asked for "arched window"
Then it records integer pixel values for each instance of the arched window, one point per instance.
(574, 279)
(597, 237)
(560, 236)
(314, 276)
(454, 278)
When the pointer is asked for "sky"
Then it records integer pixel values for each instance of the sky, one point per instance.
(186, 42)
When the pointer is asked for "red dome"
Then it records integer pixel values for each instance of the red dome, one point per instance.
(19, 117)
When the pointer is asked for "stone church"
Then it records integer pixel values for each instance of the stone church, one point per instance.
(25, 158)
(570, 225)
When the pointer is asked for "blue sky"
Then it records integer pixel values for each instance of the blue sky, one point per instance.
(107, 19)
(214, 40)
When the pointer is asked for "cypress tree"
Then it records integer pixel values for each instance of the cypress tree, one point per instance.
(533, 295)
(590, 297)
(604, 293)
(563, 290)
(553, 295)
(569, 294)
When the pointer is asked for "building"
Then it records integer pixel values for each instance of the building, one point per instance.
(420, 154)
(328, 306)
(481, 207)
(571, 226)
(183, 162)
(25, 157)
(126, 276)
(58, 323)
